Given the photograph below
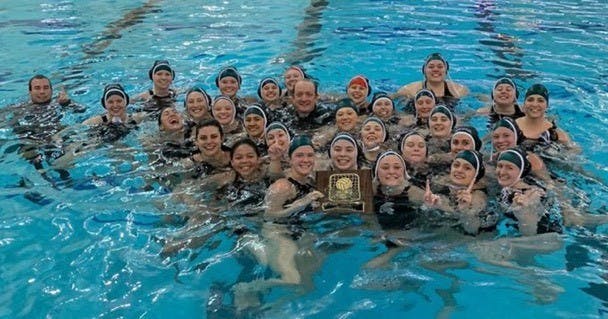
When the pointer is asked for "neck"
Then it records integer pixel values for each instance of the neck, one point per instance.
(393, 190)
(436, 87)
(535, 122)
(161, 92)
(504, 109)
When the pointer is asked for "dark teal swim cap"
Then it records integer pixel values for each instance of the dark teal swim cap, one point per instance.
(538, 89)
(299, 141)
(476, 160)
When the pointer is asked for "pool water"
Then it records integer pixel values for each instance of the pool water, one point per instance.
(91, 248)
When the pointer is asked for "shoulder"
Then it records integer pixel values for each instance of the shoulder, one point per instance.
(93, 121)
(409, 90)
(282, 185)
(457, 89)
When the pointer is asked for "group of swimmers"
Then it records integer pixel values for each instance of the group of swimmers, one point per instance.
(261, 153)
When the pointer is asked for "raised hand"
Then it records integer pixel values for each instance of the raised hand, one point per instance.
(63, 97)
(430, 198)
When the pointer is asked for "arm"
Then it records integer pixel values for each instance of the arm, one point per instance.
(279, 193)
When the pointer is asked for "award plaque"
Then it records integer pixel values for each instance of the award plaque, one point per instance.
(346, 191)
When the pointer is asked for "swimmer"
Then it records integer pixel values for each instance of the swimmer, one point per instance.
(224, 112)
(383, 107)
(307, 113)
(343, 153)
(537, 129)
(212, 156)
(292, 75)
(229, 81)
(270, 92)
(442, 122)
(504, 102)
(277, 140)
(524, 203)
(435, 70)
(198, 105)
(115, 101)
(506, 134)
(463, 195)
(358, 89)
(373, 137)
(414, 152)
(346, 121)
(161, 95)
(255, 121)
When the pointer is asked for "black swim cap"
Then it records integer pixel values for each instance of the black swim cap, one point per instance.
(476, 160)
(113, 89)
(161, 65)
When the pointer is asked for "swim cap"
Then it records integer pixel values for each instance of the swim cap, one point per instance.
(379, 121)
(510, 124)
(344, 136)
(505, 80)
(224, 97)
(406, 136)
(476, 160)
(113, 89)
(257, 110)
(277, 126)
(425, 92)
(379, 96)
(299, 69)
(161, 65)
(266, 81)
(299, 141)
(386, 154)
(362, 81)
(519, 158)
(440, 108)
(433, 57)
(345, 102)
(471, 132)
(200, 90)
(538, 89)
(228, 71)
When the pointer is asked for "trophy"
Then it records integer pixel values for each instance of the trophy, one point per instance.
(346, 191)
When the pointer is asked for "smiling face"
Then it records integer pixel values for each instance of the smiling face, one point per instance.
(254, 124)
(357, 93)
(292, 76)
(461, 142)
(383, 108)
(424, 105)
(346, 119)
(503, 138)
(343, 155)
(223, 111)
(302, 160)
(270, 92)
(414, 149)
(41, 91)
(162, 79)
(372, 134)
(462, 172)
(507, 173)
(440, 125)
(209, 140)
(504, 94)
(390, 171)
(435, 71)
(196, 105)
(277, 136)
(244, 160)
(535, 106)
(228, 85)
(304, 97)
(171, 120)
(116, 106)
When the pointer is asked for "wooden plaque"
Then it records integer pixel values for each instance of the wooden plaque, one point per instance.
(346, 191)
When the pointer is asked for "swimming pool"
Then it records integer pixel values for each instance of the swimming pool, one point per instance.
(92, 250)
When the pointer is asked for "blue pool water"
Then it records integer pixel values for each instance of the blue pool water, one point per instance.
(92, 249)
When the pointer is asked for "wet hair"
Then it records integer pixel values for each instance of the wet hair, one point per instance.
(244, 141)
(161, 65)
(160, 114)
(206, 123)
(38, 77)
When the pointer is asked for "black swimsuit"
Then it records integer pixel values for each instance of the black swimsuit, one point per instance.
(448, 98)
(394, 212)
(494, 117)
